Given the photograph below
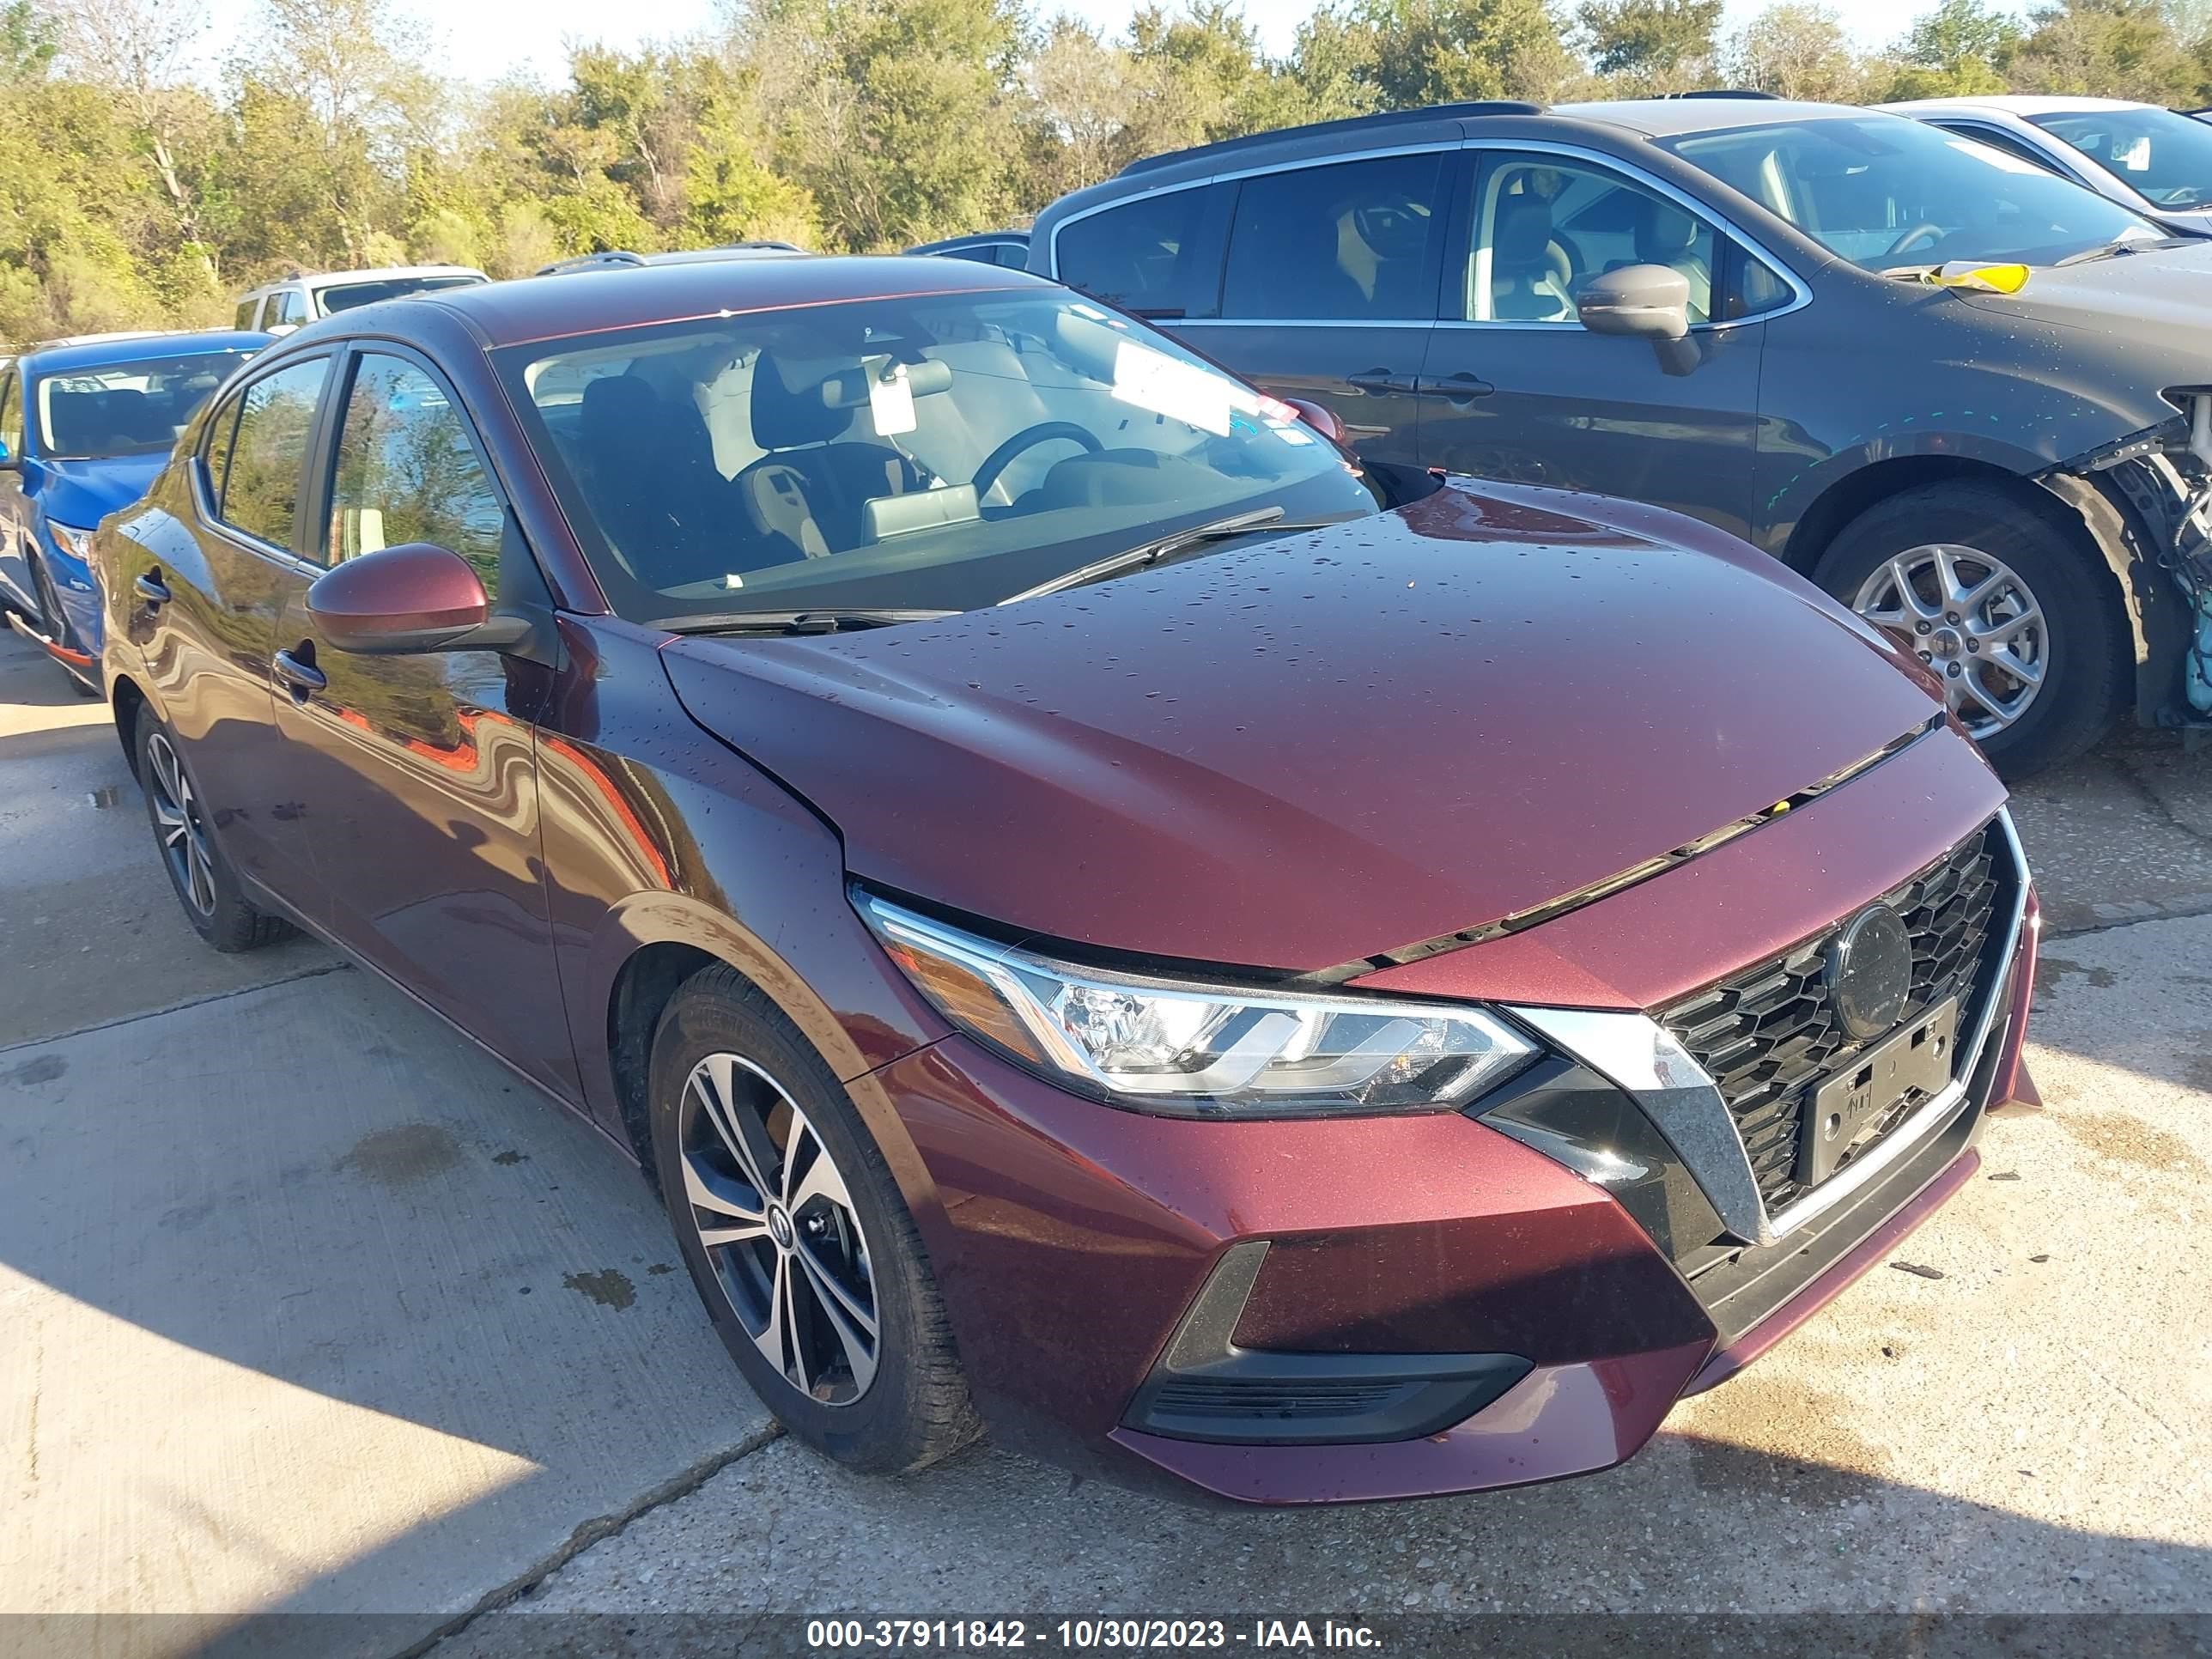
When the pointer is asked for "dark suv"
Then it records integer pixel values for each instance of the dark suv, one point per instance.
(1728, 306)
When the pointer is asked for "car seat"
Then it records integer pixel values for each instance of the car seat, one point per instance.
(1666, 236)
(1524, 287)
(812, 484)
(647, 470)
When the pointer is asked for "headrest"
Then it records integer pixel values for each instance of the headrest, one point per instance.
(792, 403)
(616, 404)
(1663, 233)
(1524, 227)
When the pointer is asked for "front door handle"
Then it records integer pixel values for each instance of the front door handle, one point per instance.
(1462, 388)
(151, 588)
(300, 674)
(1381, 381)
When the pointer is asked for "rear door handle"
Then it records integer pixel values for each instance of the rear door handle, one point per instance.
(1460, 388)
(151, 588)
(302, 676)
(1380, 381)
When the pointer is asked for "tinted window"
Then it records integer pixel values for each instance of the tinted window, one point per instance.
(1544, 227)
(1014, 256)
(260, 487)
(1883, 191)
(406, 471)
(1146, 255)
(246, 310)
(946, 452)
(345, 298)
(1347, 241)
(2162, 156)
(128, 409)
(11, 413)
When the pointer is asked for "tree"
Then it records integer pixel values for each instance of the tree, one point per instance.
(1399, 54)
(2114, 48)
(141, 49)
(1651, 41)
(1954, 50)
(1796, 50)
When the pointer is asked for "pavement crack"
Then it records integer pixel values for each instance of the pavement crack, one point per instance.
(2183, 908)
(316, 972)
(597, 1530)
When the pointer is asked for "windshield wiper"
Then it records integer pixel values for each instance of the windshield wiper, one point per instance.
(1166, 547)
(2116, 247)
(794, 622)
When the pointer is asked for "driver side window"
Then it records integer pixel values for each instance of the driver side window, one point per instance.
(1543, 226)
(11, 413)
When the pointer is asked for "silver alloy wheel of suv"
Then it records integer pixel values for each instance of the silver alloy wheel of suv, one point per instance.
(772, 1210)
(1970, 617)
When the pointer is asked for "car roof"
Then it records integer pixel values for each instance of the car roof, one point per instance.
(1672, 117)
(638, 296)
(374, 274)
(2018, 103)
(102, 353)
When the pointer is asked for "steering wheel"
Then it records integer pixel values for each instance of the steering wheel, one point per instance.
(1924, 228)
(1028, 438)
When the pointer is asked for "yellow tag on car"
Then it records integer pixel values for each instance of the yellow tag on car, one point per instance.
(1986, 279)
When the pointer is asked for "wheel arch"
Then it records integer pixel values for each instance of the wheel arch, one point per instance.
(650, 945)
(126, 698)
(1826, 516)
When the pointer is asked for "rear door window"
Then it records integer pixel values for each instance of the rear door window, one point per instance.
(1159, 256)
(259, 489)
(1350, 241)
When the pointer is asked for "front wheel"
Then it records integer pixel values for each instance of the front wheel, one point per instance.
(2024, 626)
(796, 1236)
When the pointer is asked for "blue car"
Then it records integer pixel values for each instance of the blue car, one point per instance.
(84, 426)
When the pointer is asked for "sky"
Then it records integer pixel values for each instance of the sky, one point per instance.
(485, 38)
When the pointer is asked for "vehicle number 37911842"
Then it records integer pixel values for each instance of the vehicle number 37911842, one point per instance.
(829, 1635)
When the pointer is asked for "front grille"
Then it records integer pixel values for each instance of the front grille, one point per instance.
(1769, 1036)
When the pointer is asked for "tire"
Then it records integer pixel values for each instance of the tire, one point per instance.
(206, 886)
(2078, 640)
(723, 1054)
(52, 624)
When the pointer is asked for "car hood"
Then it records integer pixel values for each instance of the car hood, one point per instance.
(82, 493)
(1296, 754)
(2154, 299)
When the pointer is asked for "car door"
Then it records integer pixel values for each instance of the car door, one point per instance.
(208, 560)
(1328, 290)
(1520, 390)
(14, 512)
(415, 778)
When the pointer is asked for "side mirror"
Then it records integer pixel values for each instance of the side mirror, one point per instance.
(1647, 302)
(279, 331)
(1321, 418)
(397, 600)
(10, 461)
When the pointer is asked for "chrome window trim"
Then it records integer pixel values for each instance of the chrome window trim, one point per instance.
(1638, 1055)
(1802, 294)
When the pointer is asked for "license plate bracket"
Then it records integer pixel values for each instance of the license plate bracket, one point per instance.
(1851, 1105)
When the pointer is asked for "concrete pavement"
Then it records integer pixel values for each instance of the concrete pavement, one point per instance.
(306, 1306)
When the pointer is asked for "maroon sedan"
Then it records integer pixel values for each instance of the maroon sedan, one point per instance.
(1103, 915)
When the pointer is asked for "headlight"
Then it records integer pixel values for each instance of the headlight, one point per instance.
(76, 542)
(1196, 1050)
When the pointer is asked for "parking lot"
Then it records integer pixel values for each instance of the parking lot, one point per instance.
(311, 1308)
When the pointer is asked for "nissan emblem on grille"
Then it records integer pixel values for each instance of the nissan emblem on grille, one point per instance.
(1869, 971)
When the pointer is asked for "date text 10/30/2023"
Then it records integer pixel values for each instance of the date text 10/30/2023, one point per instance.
(832, 1635)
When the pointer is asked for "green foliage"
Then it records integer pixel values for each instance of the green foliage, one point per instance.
(133, 195)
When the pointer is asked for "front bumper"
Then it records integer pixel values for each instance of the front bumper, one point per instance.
(1072, 1246)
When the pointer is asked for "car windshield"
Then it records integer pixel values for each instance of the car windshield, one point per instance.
(940, 453)
(346, 296)
(127, 408)
(2164, 157)
(1884, 192)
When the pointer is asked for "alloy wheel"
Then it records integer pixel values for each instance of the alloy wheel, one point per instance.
(1971, 618)
(772, 1210)
(181, 825)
